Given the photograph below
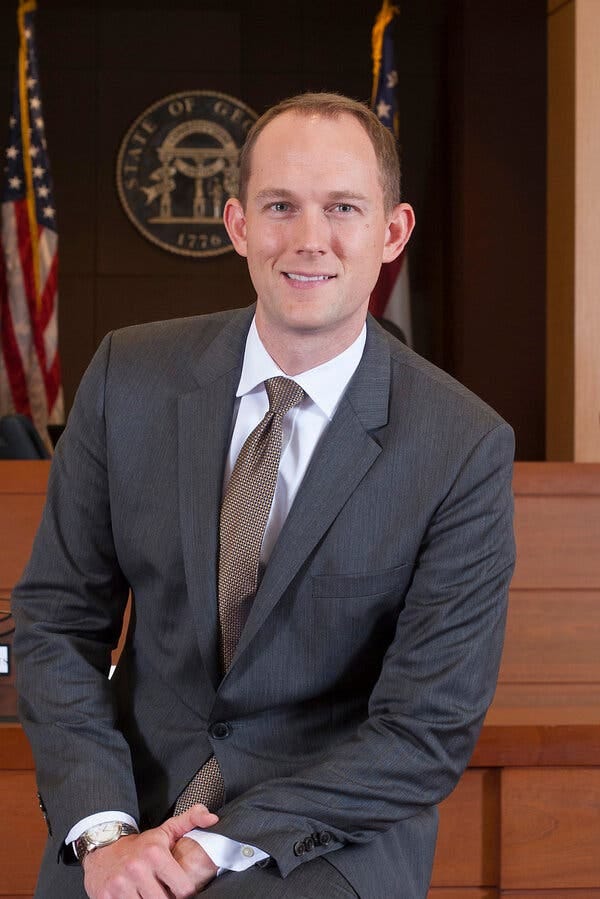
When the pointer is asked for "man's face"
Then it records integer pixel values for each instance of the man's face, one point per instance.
(314, 229)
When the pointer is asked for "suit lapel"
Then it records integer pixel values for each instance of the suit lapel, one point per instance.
(342, 458)
(204, 430)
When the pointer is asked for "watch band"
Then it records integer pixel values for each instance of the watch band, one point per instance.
(97, 837)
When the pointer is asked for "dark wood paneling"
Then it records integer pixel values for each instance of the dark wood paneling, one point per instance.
(76, 315)
(102, 64)
(167, 297)
(71, 132)
(162, 38)
(497, 236)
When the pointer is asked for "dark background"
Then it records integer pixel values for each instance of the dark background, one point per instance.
(473, 132)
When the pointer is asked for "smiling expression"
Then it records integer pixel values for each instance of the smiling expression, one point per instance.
(314, 229)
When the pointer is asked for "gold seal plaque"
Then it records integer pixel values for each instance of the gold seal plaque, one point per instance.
(178, 165)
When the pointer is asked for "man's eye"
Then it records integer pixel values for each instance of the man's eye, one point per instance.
(280, 207)
(344, 207)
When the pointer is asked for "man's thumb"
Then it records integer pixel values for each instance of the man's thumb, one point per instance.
(178, 825)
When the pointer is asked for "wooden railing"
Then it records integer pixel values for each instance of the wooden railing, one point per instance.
(524, 821)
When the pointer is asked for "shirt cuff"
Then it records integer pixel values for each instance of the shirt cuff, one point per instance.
(98, 818)
(228, 854)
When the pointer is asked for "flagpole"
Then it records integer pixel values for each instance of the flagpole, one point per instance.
(384, 17)
(26, 6)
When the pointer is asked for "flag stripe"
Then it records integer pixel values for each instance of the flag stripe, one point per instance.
(49, 274)
(36, 363)
(386, 282)
(12, 356)
(39, 366)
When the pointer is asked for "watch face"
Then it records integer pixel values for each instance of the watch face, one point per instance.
(101, 834)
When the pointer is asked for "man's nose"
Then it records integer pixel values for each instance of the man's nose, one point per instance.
(313, 231)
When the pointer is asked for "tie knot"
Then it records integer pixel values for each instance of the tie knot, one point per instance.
(283, 394)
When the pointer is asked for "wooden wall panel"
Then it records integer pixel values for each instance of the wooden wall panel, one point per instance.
(546, 845)
(20, 858)
(558, 539)
(19, 518)
(587, 231)
(463, 893)
(22, 495)
(541, 725)
(550, 828)
(468, 841)
(568, 703)
(552, 637)
(556, 479)
(549, 894)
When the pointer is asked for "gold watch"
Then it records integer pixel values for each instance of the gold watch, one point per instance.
(101, 835)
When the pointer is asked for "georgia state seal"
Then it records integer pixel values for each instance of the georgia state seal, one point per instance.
(178, 165)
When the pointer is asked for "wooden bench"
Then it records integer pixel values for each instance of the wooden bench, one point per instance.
(524, 821)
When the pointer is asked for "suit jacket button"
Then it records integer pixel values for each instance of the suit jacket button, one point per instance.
(299, 848)
(325, 838)
(44, 813)
(220, 730)
(309, 844)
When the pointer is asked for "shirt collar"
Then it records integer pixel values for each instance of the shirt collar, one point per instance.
(324, 384)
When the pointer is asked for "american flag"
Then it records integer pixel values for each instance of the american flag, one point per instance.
(30, 381)
(391, 295)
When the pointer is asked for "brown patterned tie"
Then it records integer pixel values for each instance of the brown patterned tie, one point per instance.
(244, 514)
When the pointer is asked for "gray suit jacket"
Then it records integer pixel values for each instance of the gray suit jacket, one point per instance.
(371, 652)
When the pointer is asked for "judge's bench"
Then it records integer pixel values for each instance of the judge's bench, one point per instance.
(524, 821)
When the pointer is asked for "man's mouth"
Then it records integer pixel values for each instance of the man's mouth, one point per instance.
(296, 276)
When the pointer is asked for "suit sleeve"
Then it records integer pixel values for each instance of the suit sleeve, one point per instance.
(68, 609)
(437, 681)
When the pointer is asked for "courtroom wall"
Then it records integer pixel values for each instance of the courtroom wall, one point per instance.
(472, 146)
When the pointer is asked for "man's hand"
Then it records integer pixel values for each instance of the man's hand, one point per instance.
(141, 866)
(195, 862)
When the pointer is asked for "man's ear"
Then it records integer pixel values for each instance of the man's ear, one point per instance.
(234, 220)
(400, 225)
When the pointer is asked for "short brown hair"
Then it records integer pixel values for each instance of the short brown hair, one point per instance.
(331, 106)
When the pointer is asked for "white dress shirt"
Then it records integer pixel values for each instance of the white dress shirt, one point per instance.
(302, 428)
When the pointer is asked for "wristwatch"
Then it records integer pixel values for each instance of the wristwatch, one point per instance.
(101, 835)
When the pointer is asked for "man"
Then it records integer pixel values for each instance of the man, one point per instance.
(338, 703)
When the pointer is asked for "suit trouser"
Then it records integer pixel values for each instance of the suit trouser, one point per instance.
(312, 880)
